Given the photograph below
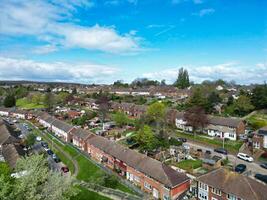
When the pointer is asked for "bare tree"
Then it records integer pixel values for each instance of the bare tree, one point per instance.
(196, 118)
(104, 106)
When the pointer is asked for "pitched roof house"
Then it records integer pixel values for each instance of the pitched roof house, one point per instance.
(225, 184)
(260, 138)
(11, 153)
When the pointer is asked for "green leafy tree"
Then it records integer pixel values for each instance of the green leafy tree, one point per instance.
(259, 96)
(120, 118)
(39, 183)
(30, 140)
(145, 138)
(156, 112)
(104, 106)
(10, 101)
(243, 105)
(197, 99)
(49, 100)
(182, 79)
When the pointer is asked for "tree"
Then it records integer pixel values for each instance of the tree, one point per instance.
(49, 100)
(182, 79)
(145, 138)
(196, 118)
(120, 118)
(104, 106)
(259, 96)
(30, 140)
(212, 100)
(156, 112)
(10, 101)
(243, 105)
(197, 99)
(39, 183)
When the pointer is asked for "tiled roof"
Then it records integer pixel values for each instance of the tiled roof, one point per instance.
(62, 125)
(224, 121)
(233, 183)
(12, 153)
(6, 136)
(150, 167)
(81, 133)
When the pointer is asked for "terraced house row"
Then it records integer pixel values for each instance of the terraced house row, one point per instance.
(150, 175)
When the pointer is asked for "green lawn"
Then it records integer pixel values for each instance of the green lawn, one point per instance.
(189, 164)
(24, 103)
(257, 120)
(88, 171)
(85, 194)
(232, 146)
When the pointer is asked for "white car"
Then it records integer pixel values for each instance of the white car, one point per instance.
(38, 139)
(46, 148)
(245, 157)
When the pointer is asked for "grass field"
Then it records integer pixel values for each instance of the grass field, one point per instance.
(85, 194)
(257, 120)
(24, 103)
(232, 146)
(189, 164)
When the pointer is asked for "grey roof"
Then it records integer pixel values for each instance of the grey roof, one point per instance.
(262, 131)
(224, 121)
(62, 125)
(150, 167)
(81, 133)
(12, 153)
(6, 136)
(233, 183)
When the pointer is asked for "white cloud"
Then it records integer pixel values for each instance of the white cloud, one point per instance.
(52, 22)
(203, 12)
(57, 71)
(226, 71)
(44, 49)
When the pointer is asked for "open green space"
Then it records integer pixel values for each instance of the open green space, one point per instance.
(189, 164)
(232, 146)
(85, 194)
(24, 103)
(257, 120)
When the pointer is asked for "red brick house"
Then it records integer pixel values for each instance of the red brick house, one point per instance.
(79, 138)
(151, 175)
(222, 184)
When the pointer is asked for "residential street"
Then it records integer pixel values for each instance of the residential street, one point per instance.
(253, 167)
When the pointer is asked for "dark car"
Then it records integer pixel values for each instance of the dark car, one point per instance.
(240, 168)
(221, 150)
(182, 139)
(199, 150)
(261, 177)
(50, 152)
(57, 160)
(44, 144)
(208, 152)
(263, 165)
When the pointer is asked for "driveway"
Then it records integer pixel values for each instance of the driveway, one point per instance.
(251, 167)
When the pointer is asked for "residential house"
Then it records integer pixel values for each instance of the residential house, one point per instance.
(6, 135)
(150, 175)
(45, 120)
(259, 139)
(62, 129)
(222, 184)
(80, 137)
(11, 154)
(221, 127)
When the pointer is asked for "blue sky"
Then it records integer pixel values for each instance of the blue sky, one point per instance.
(93, 41)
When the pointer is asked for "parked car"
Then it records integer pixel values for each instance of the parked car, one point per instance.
(263, 165)
(199, 150)
(50, 152)
(261, 177)
(182, 139)
(65, 169)
(46, 149)
(44, 144)
(221, 150)
(38, 139)
(57, 160)
(208, 152)
(245, 157)
(240, 168)
(54, 156)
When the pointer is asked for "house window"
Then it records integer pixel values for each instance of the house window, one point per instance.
(202, 196)
(136, 179)
(232, 135)
(166, 197)
(231, 197)
(147, 186)
(203, 186)
(216, 191)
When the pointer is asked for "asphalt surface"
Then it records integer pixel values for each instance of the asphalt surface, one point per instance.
(252, 168)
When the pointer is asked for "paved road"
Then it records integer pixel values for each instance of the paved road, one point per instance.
(253, 167)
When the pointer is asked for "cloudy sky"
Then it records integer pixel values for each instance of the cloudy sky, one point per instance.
(100, 41)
